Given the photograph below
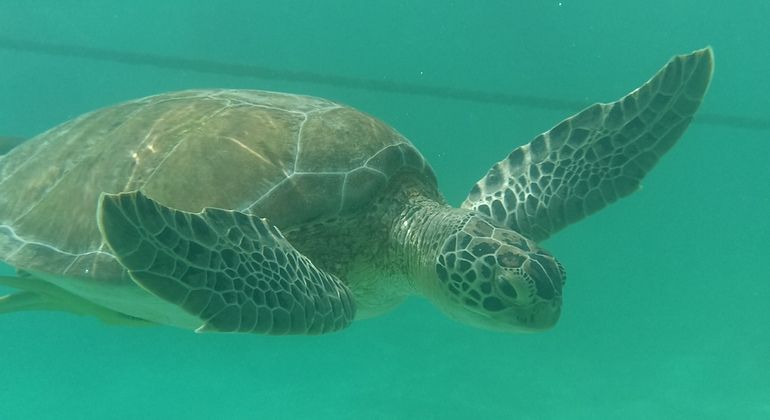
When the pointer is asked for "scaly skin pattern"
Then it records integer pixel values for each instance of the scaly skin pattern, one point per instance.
(595, 157)
(475, 270)
(234, 271)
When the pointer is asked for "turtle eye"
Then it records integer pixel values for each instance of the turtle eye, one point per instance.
(506, 288)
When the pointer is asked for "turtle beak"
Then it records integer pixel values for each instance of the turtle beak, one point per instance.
(545, 315)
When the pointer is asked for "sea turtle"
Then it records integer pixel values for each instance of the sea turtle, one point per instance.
(262, 212)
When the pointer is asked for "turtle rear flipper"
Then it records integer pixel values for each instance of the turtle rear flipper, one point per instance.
(594, 157)
(232, 270)
(38, 295)
(9, 143)
(26, 301)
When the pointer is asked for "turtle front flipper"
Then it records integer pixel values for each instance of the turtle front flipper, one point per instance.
(595, 157)
(234, 271)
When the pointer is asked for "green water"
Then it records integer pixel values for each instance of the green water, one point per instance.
(666, 310)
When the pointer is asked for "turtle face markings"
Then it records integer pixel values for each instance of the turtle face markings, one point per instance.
(495, 278)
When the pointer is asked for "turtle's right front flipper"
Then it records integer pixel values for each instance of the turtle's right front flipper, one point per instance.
(232, 270)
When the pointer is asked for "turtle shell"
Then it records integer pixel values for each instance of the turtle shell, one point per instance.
(289, 158)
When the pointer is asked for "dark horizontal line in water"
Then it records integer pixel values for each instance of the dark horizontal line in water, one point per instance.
(260, 72)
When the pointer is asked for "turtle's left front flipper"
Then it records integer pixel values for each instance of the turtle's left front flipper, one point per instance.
(234, 271)
(595, 157)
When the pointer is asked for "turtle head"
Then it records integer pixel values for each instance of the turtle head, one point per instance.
(495, 278)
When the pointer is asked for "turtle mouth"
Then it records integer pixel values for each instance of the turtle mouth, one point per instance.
(535, 317)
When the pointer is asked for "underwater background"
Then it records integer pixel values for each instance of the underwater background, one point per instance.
(667, 303)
